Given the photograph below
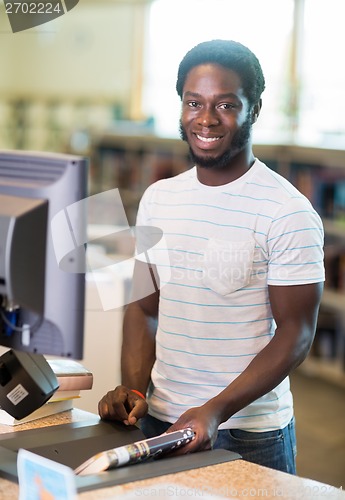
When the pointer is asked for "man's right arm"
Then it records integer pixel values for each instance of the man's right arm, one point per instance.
(138, 351)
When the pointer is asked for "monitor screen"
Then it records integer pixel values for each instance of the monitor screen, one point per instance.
(42, 296)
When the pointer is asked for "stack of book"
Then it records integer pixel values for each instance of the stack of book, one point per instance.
(73, 378)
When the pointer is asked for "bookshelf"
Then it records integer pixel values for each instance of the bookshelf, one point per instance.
(132, 162)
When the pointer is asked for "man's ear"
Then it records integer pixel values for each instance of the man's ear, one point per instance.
(256, 111)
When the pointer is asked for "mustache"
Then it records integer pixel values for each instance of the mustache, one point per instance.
(240, 140)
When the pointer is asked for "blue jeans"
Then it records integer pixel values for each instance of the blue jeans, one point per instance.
(274, 449)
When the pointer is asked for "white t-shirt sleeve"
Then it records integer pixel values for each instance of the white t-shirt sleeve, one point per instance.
(295, 245)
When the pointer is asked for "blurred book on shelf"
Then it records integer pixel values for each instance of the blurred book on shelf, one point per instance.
(335, 262)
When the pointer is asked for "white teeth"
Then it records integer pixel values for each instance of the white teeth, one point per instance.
(207, 139)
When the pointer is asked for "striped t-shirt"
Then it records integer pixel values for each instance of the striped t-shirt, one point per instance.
(222, 246)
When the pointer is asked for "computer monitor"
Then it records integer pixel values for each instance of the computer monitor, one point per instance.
(42, 296)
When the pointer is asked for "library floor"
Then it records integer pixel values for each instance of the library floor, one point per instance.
(320, 429)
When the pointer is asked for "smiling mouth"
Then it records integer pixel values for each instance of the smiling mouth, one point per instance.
(207, 139)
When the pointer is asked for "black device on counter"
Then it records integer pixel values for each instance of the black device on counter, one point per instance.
(26, 382)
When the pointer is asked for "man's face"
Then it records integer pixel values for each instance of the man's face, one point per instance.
(215, 119)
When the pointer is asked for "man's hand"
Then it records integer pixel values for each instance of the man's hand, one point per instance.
(123, 405)
(204, 423)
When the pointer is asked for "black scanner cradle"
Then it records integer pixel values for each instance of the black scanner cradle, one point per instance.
(71, 444)
(26, 382)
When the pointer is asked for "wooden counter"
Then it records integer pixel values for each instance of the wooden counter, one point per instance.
(236, 479)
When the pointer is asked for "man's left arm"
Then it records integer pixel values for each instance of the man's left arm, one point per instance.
(295, 310)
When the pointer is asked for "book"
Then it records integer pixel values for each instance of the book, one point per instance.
(71, 375)
(45, 410)
(135, 452)
(62, 395)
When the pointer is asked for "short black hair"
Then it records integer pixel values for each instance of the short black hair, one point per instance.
(230, 54)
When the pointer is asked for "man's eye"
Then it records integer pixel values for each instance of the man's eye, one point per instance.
(193, 104)
(227, 105)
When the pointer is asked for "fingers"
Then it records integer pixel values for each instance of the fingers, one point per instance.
(204, 428)
(112, 405)
(139, 409)
(122, 405)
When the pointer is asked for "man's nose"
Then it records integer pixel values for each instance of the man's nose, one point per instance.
(208, 117)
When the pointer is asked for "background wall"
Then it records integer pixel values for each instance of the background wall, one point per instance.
(74, 56)
(79, 71)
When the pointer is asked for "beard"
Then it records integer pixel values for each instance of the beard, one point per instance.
(239, 141)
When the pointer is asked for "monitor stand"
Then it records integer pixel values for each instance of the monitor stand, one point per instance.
(71, 444)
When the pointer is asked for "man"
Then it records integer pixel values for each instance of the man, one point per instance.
(239, 309)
